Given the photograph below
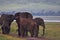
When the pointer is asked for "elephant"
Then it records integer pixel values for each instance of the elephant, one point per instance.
(23, 15)
(27, 25)
(7, 19)
(40, 22)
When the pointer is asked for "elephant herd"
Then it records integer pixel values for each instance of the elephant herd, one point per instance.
(25, 23)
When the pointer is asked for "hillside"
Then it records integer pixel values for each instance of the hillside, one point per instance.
(34, 12)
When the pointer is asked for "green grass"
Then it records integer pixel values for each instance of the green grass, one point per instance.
(7, 37)
(52, 31)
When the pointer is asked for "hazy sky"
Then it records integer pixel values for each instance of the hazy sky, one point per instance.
(29, 4)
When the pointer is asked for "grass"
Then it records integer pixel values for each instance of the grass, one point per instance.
(52, 31)
(6, 37)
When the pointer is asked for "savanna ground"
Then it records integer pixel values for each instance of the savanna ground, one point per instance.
(52, 32)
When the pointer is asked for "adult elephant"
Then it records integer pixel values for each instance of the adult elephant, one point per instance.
(40, 22)
(23, 15)
(6, 22)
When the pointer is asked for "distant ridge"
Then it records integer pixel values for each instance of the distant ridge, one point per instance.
(35, 13)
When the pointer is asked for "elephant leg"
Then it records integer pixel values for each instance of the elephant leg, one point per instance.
(18, 30)
(26, 32)
(3, 28)
(43, 25)
(36, 31)
(32, 33)
(21, 31)
(3, 32)
(7, 30)
(43, 31)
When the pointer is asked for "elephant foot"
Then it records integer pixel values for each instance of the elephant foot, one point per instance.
(43, 35)
(35, 36)
(21, 36)
(5, 33)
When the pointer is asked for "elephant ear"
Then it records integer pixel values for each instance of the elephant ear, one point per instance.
(11, 18)
(3, 17)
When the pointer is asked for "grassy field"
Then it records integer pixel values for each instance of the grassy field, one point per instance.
(52, 31)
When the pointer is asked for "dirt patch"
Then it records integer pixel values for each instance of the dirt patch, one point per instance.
(36, 38)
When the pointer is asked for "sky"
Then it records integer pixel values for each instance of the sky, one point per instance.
(6, 5)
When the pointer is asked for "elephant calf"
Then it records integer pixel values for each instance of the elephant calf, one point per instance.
(40, 22)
